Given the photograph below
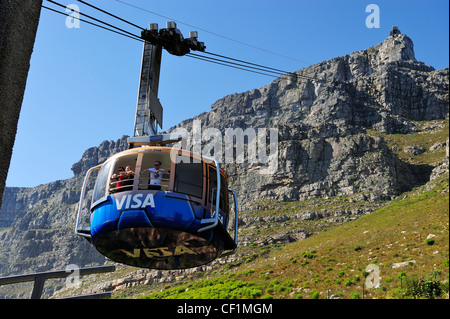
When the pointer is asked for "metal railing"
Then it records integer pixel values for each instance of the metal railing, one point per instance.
(39, 280)
(236, 221)
(78, 229)
(214, 220)
(145, 178)
(144, 183)
(124, 185)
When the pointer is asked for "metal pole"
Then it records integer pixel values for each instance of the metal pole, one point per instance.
(148, 109)
(38, 287)
(39, 278)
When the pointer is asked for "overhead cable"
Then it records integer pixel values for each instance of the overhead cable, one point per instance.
(222, 56)
(90, 17)
(210, 32)
(267, 69)
(94, 24)
(238, 64)
(110, 14)
(224, 63)
(217, 59)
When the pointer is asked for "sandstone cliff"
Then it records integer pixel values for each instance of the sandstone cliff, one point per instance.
(322, 114)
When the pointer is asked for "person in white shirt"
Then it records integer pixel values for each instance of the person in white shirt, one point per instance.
(155, 175)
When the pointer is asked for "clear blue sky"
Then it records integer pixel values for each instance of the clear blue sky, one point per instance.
(82, 84)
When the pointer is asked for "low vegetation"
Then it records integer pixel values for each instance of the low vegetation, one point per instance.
(385, 254)
(395, 249)
(427, 142)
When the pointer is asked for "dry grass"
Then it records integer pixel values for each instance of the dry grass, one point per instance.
(333, 262)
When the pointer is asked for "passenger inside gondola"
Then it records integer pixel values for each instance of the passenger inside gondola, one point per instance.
(129, 180)
(123, 177)
(119, 178)
(156, 174)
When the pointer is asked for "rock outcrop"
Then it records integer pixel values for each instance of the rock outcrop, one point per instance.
(97, 155)
(323, 114)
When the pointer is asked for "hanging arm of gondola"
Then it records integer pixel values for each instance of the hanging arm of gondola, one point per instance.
(236, 225)
(80, 230)
(214, 220)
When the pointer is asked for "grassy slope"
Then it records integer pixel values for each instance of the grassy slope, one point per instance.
(333, 261)
(429, 133)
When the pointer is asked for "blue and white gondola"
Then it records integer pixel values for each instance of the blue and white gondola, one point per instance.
(181, 225)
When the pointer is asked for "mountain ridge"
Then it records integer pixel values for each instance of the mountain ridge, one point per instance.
(326, 148)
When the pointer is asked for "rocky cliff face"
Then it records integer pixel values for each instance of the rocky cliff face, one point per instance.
(325, 116)
(322, 114)
(37, 224)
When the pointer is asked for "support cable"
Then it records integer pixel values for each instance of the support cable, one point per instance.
(110, 14)
(134, 37)
(90, 17)
(217, 59)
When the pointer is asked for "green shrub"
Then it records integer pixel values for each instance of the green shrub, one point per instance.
(355, 295)
(430, 289)
(401, 275)
(309, 255)
(274, 282)
(219, 288)
(248, 272)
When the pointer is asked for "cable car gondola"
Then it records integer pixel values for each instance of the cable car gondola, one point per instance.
(170, 216)
(181, 222)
